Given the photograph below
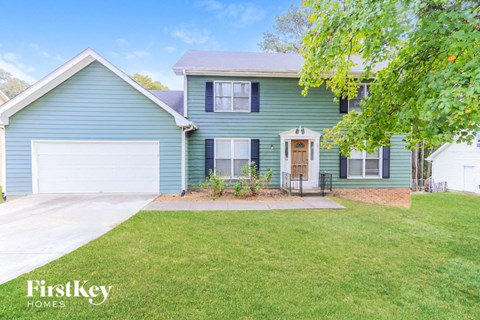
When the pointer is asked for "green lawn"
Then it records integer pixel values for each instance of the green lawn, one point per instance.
(366, 262)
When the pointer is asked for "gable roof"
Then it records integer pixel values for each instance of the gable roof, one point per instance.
(172, 98)
(66, 71)
(438, 151)
(3, 96)
(248, 63)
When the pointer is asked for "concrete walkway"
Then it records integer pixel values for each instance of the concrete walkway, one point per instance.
(218, 205)
(35, 230)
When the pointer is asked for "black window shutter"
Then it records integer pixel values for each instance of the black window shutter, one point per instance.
(255, 99)
(209, 96)
(209, 156)
(386, 162)
(343, 167)
(255, 152)
(343, 105)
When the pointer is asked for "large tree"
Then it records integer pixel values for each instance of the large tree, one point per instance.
(429, 89)
(148, 83)
(10, 85)
(288, 33)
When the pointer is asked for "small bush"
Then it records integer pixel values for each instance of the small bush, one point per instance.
(239, 189)
(216, 185)
(252, 182)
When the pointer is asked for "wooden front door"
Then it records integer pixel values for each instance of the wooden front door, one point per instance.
(299, 159)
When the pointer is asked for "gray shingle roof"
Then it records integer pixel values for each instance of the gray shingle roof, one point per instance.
(172, 98)
(245, 62)
(239, 61)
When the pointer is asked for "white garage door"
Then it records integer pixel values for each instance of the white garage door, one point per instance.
(95, 166)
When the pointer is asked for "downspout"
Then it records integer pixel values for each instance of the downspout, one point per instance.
(184, 155)
(185, 90)
(3, 164)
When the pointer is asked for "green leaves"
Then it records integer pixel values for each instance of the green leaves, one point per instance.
(148, 83)
(429, 87)
(289, 29)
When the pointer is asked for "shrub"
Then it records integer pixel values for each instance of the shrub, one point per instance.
(252, 182)
(239, 189)
(215, 184)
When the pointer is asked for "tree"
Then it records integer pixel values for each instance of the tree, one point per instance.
(148, 83)
(10, 85)
(429, 89)
(289, 31)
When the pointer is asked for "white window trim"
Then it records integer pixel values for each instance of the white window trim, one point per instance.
(232, 153)
(364, 158)
(364, 86)
(231, 104)
(478, 140)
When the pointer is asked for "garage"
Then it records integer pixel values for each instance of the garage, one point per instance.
(95, 166)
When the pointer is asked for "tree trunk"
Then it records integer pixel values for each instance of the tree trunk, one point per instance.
(421, 165)
(415, 167)
(429, 164)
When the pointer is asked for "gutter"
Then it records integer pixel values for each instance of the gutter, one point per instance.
(185, 129)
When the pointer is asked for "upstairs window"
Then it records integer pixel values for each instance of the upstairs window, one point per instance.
(363, 91)
(232, 96)
(364, 165)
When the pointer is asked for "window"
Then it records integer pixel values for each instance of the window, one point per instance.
(478, 140)
(364, 165)
(354, 104)
(286, 149)
(231, 155)
(232, 96)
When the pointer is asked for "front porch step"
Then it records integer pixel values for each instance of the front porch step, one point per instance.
(309, 192)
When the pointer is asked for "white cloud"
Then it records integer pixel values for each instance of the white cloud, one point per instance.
(35, 47)
(136, 54)
(170, 49)
(211, 5)
(121, 42)
(10, 63)
(192, 36)
(240, 14)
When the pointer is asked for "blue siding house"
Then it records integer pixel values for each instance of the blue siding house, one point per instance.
(249, 107)
(88, 127)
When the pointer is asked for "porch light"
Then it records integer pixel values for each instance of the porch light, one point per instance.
(300, 130)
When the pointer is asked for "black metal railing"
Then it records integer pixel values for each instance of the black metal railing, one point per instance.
(295, 183)
(300, 181)
(325, 182)
(287, 181)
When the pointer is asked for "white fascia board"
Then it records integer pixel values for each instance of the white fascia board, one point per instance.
(437, 152)
(4, 96)
(66, 71)
(43, 86)
(248, 73)
(179, 119)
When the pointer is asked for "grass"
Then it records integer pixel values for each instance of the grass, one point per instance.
(366, 262)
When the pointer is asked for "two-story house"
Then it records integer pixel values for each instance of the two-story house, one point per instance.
(249, 107)
(88, 127)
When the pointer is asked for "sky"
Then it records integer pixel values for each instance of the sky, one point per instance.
(147, 37)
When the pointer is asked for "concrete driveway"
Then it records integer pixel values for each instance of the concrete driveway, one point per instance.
(37, 229)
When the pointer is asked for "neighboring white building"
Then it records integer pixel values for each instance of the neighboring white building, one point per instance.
(459, 165)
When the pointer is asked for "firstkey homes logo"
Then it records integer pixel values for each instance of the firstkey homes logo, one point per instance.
(38, 290)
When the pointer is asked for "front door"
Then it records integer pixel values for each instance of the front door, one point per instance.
(299, 159)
